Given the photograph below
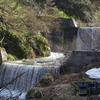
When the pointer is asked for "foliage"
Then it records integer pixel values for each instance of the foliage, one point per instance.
(45, 82)
(33, 93)
(22, 24)
(16, 45)
(64, 15)
(42, 46)
(11, 57)
(97, 15)
(78, 8)
(21, 18)
(23, 47)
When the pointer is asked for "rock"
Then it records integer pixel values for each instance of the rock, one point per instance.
(34, 94)
(29, 54)
(3, 55)
(46, 80)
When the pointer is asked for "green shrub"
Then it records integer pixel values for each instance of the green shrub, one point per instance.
(11, 57)
(16, 45)
(41, 45)
(62, 14)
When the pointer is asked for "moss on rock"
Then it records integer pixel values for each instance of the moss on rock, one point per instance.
(45, 82)
(40, 45)
(23, 47)
(17, 46)
(34, 93)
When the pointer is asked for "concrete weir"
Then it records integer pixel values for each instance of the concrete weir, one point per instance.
(87, 50)
(78, 59)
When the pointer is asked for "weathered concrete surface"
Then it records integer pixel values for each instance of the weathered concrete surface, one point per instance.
(67, 22)
(78, 59)
(63, 41)
(62, 34)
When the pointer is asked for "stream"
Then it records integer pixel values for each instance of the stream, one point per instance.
(32, 71)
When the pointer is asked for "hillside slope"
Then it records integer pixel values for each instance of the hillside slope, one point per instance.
(23, 23)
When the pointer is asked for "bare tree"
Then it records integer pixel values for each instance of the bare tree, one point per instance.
(4, 86)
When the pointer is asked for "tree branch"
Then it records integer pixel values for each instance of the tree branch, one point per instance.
(16, 5)
(6, 10)
(11, 82)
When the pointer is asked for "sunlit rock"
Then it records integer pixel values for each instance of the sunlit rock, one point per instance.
(3, 55)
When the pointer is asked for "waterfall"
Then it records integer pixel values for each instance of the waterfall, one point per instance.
(31, 73)
(88, 38)
(26, 81)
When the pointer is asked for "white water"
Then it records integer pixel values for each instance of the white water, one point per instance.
(34, 68)
(94, 73)
(6, 94)
(88, 38)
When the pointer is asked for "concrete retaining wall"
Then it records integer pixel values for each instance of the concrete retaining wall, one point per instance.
(78, 59)
(62, 34)
(63, 41)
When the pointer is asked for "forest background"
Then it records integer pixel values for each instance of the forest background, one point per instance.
(23, 23)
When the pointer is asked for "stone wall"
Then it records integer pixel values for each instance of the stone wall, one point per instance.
(78, 59)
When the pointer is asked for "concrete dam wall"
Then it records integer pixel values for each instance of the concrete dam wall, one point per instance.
(62, 34)
(79, 59)
(65, 37)
(88, 50)
(64, 41)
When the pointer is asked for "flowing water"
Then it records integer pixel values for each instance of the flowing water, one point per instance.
(26, 74)
(30, 71)
(88, 38)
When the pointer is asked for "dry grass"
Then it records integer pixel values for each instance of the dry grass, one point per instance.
(61, 87)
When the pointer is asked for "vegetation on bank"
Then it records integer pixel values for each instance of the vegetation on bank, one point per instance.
(21, 31)
(22, 24)
(60, 88)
